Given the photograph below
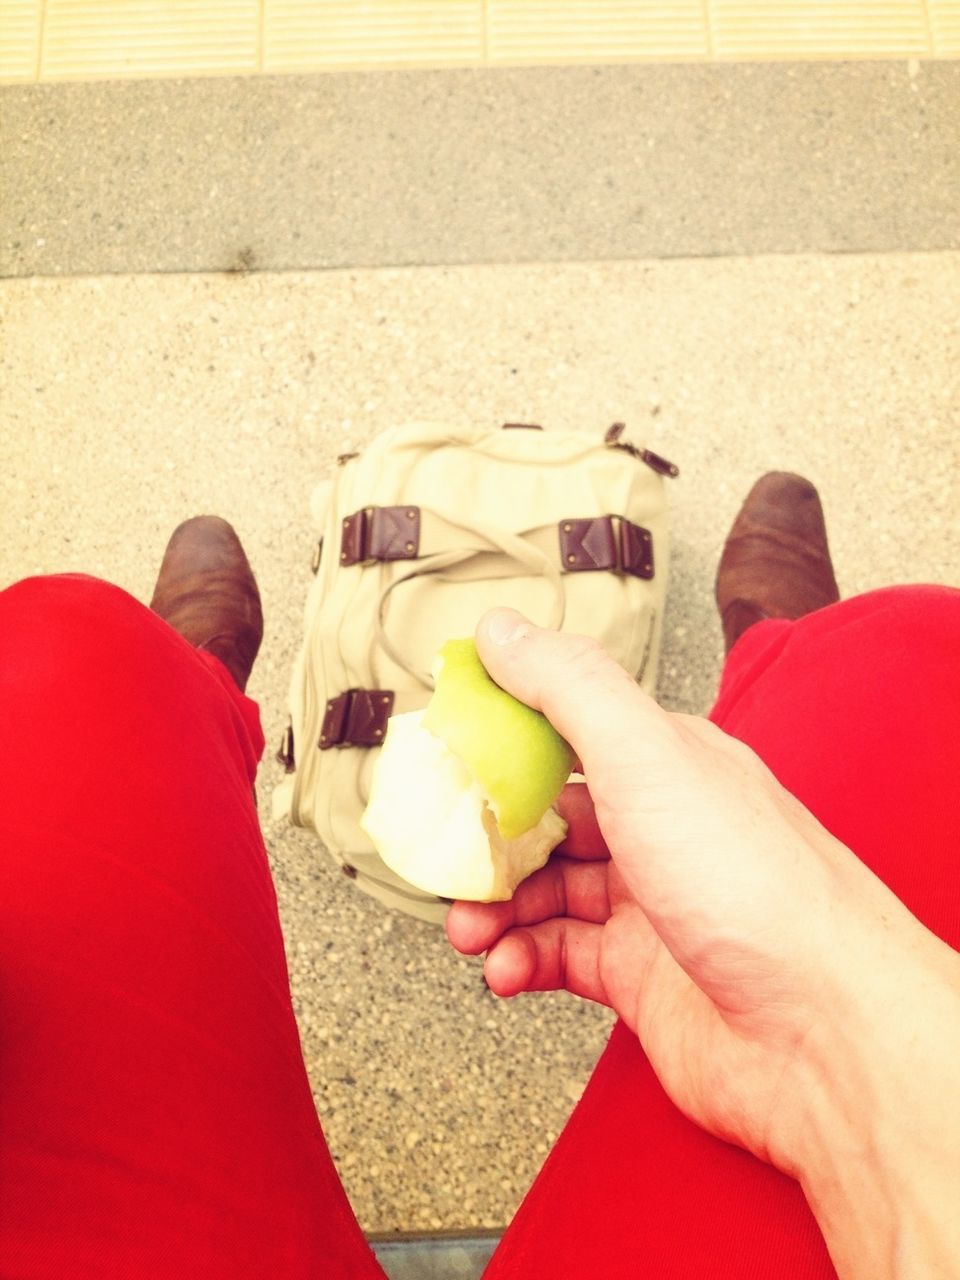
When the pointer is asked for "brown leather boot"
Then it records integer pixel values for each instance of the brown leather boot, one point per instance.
(776, 562)
(207, 591)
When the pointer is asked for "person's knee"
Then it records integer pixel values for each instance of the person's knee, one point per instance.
(61, 629)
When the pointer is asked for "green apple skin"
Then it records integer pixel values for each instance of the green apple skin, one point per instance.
(515, 754)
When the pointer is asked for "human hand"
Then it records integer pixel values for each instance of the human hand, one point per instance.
(751, 952)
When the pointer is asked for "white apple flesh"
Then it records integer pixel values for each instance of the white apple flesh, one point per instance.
(432, 824)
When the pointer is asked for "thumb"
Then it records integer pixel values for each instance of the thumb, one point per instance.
(611, 724)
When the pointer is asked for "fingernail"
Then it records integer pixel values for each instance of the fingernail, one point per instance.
(503, 626)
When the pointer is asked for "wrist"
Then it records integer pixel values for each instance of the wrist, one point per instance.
(878, 1154)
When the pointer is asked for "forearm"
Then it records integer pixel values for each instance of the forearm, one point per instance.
(880, 1158)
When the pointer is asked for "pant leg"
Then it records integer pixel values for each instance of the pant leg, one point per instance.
(856, 709)
(156, 1119)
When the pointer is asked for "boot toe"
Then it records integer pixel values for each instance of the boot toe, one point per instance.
(776, 560)
(207, 592)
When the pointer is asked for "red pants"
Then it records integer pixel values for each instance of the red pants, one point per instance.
(155, 1116)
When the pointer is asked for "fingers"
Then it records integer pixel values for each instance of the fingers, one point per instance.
(563, 888)
(662, 786)
(547, 957)
(584, 839)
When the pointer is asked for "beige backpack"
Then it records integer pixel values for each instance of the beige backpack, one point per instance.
(423, 531)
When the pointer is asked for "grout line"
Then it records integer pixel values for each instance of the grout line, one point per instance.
(261, 31)
(41, 33)
(928, 27)
(708, 27)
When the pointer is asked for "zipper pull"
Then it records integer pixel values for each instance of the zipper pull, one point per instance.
(285, 754)
(653, 460)
(658, 464)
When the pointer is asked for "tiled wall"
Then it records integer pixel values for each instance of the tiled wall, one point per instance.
(78, 39)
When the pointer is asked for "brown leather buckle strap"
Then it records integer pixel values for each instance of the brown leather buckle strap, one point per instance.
(636, 549)
(356, 718)
(380, 533)
(606, 542)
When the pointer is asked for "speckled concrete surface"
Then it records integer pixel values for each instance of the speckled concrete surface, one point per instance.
(130, 403)
(479, 165)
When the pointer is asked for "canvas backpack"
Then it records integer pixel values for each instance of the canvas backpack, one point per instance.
(420, 533)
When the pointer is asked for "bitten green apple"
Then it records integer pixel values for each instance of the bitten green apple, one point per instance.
(461, 795)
